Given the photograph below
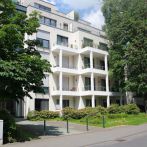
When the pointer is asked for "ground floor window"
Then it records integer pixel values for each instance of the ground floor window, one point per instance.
(65, 103)
(88, 103)
(41, 104)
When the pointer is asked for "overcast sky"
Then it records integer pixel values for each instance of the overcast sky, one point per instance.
(90, 10)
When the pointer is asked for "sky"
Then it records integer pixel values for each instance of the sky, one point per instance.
(89, 10)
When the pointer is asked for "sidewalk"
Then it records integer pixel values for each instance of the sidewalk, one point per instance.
(86, 139)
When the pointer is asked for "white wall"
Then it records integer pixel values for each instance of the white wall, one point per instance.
(1, 132)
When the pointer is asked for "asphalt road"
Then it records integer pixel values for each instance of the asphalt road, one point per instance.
(137, 140)
(125, 136)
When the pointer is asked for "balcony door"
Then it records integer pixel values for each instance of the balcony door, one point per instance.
(87, 83)
(65, 83)
(65, 61)
(86, 62)
(65, 103)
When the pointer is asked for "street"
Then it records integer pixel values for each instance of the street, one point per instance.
(124, 136)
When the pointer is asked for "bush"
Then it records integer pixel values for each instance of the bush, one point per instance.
(131, 109)
(113, 109)
(101, 110)
(9, 126)
(39, 115)
(48, 114)
(33, 115)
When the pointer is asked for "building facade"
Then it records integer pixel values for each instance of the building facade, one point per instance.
(79, 58)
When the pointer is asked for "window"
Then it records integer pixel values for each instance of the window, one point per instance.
(88, 103)
(87, 42)
(87, 83)
(65, 26)
(103, 46)
(46, 90)
(86, 62)
(57, 102)
(41, 104)
(61, 40)
(41, 7)
(43, 43)
(48, 21)
(65, 103)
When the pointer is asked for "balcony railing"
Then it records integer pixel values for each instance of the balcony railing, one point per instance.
(86, 66)
(87, 88)
(99, 67)
(69, 67)
(69, 89)
(66, 89)
(95, 46)
(99, 88)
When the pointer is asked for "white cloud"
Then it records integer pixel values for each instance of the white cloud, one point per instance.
(95, 17)
(80, 4)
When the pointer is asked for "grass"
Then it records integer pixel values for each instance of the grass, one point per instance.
(112, 120)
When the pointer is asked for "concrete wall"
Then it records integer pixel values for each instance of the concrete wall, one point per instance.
(1, 132)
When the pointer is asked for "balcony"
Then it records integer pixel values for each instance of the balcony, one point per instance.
(99, 88)
(99, 67)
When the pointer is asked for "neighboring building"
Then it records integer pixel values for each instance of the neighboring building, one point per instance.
(79, 58)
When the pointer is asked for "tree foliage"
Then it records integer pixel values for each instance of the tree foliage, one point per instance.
(21, 66)
(126, 27)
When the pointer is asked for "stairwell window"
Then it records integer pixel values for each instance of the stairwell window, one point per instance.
(43, 43)
(48, 21)
(61, 40)
(43, 8)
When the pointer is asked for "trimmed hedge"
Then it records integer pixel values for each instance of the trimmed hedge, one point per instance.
(9, 126)
(39, 115)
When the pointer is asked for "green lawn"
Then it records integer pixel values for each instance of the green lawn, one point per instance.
(114, 121)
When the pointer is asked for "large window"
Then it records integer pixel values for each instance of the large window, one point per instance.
(88, 103)
(41, 104)
(65, 103)
(87, 42)
(87, 83)
(48, 21)
(43, 43)
(61, 40)
(103, 46)
(43, 8)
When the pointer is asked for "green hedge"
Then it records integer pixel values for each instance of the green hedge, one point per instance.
(120, 111)
(9, 126)
(39, 115)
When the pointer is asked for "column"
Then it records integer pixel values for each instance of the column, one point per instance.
(107, 76)
(93, 101)
(92, 82)
(60, 59)
(60, 82)
(81, 103)
(61, 103)
(79, 62)
(91, 59)
(108, 101)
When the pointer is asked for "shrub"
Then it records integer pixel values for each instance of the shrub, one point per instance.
(101, 110)
(33, 115)
(131, 109)
(48, 114)
(39, 115)
(9, 126)
(113, 109)
(68, 112)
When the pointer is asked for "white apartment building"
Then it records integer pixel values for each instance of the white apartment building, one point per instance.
(79, 58)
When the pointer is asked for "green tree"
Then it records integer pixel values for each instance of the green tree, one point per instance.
(21, 66)
(126, 27)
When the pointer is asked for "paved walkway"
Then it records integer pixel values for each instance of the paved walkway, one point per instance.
(54, 128)
(94, 138)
